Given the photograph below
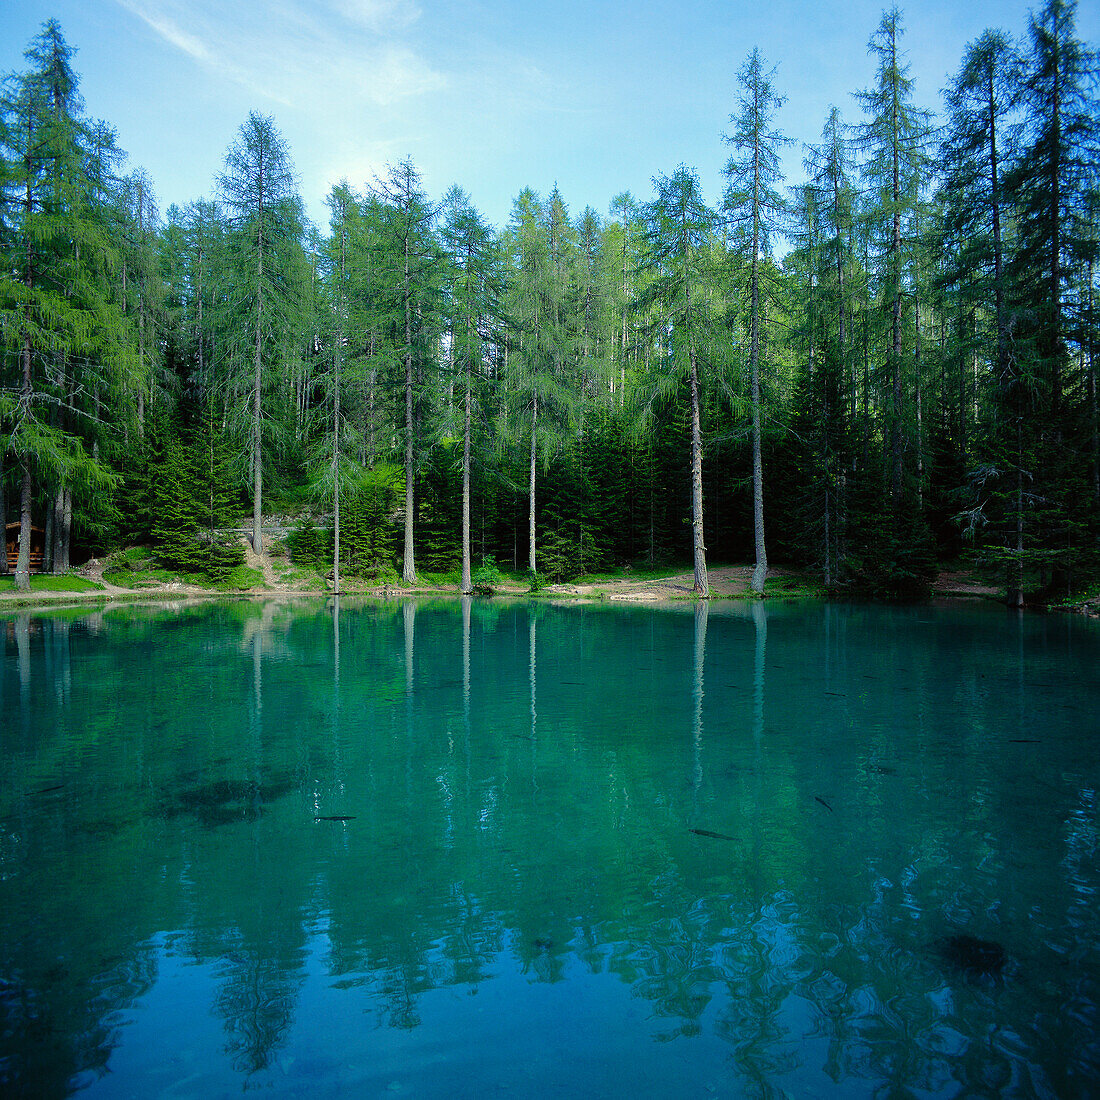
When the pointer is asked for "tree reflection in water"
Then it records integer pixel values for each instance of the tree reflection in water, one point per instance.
(792, 946)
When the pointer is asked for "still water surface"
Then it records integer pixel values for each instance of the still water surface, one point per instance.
(455, 850)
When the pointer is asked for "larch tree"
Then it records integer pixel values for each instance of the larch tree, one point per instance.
(677, 260)
(624, 233)
(975, 148)
(537, 393)
(414, 255)
(470, 249)
(895, 137)
(827, 207)
(1051, 179)
(259, 193)
(593, 299)
(757, 211)
(142, 291)
(343, 207)
(973, 154)
(1051, 183)
(56, 315)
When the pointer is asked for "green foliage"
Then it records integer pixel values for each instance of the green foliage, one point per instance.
(134, 567)
(794, 588)
(187, 502)
(924, 367)
(486, 578)
(223, 560)
(565, 555)
(239, 577)
(307, 546)
(898, 562)
(175, 526)
(438, 518)
(367, 532)
(64, 337)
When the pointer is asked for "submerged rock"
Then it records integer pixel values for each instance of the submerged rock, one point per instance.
(226, 801)
(220, 793)
(971, 956)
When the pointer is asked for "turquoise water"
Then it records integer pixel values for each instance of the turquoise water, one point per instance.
(436, 849)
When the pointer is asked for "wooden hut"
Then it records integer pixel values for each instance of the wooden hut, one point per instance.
(38, 547)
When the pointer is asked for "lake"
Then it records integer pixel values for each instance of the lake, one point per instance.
(455, 849)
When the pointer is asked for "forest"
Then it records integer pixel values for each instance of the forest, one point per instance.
(881, 369)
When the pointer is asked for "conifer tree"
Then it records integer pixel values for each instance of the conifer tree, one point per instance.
(537, 390)
(595, 325)
(414, 256)
(756, 209)
(623, 238)
(259, 193)
(678, 261)
(337, 323)
(825, 280)
(1050, 183)
(470, 249)
(55, 308)
(895, 138)
(215, 481)
(974, 152)
(175, 532)
(143, 292)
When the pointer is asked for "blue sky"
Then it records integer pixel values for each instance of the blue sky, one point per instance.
(495, 95)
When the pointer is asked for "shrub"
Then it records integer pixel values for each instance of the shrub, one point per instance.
(571, 553)
(366, 522)
(486, 577)
(306, 546)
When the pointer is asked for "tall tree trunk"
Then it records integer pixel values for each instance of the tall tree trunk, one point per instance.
(895, 323)
(622, 349)
(1056, 336)
(699, 553)
(142, 289)
(408, 569)
(23, 562)
(336, 476)
(531, 488)
(995, 211)
(65, 541)
(202, 370)
(1094, 413)
(257, 448)
(760, 571)
(336, 407)
(4, 570)
(49, 541)
(1015, 586)
(919, 389)
(141, 368)
(467, 583)
(1095, 408)
(370, 416)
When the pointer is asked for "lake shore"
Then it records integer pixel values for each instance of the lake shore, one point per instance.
(726, 582)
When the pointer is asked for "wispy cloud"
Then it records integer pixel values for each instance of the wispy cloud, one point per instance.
(299, 54)
(357, 84)
(171, 32)
(377, 15)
